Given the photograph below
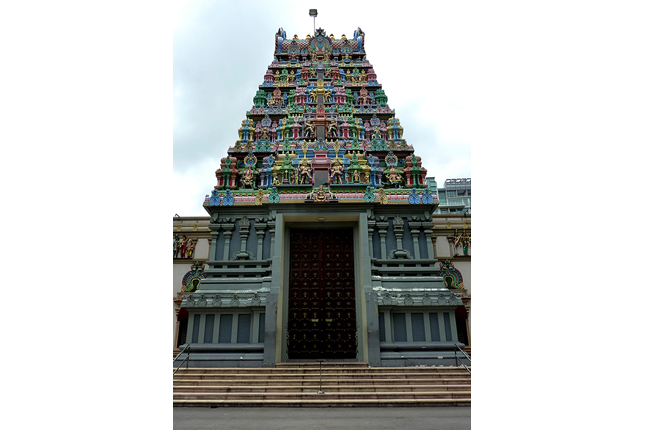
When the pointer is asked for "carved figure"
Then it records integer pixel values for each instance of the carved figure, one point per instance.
(190, 248)
(394, 176)
(331, 128)
(321, 196)
(183, 244)
(247, 177)
(337, 170)
(175, 246)
(309, 129)
(304, 171)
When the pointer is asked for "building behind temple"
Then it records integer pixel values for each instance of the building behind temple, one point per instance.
(454, 197)
(320, 242)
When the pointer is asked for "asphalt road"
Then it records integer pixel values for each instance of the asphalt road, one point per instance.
(410, 418)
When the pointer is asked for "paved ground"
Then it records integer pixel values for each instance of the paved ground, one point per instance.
(431, 418)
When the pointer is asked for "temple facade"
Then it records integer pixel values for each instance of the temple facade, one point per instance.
(319, 238)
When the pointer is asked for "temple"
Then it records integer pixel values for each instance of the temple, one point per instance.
(320, 228)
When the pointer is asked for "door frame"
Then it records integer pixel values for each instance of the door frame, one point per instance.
(347, 221)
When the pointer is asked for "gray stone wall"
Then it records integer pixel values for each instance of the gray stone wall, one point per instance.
(247, 275)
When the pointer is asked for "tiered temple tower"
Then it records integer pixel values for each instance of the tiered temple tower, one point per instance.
(320, 226)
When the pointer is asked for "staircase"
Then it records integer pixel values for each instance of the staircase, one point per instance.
(342, 384)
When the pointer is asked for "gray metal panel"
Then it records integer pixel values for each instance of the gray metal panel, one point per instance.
(381, 326)
(195, 338)
(208, 328)
(261, 329)
(446, 323)
(418, 329)
(225, 328)
(400, 329)
(434, 326)
(244, 328)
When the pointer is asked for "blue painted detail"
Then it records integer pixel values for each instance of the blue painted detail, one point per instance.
(228, 199)
(426, 197)
(414, 198)
(369, 195)
(274, 197)
(214, 199)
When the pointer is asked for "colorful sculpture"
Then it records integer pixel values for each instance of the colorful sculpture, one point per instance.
(320, 91)
(304, 172)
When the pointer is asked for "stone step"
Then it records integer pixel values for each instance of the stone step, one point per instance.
(316, 370)
(315, 388)
(326, 403)
(377, 395)
(315, 382)
(379, 371)
(297, 385)
(323, 364)
(224, 377)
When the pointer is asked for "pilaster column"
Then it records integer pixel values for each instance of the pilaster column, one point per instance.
(228, 232)
(414, 229)
(382, 232)
(244, 225)
(370, 235)
(427, 231)
(259, 230)
(214, 228)
(398, 231)
(271, 224)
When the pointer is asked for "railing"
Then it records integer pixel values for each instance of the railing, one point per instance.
(187, 359)
(459, 359)
(454, 202)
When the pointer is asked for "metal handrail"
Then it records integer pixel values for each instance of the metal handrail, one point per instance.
(186, 349)
(459, 359)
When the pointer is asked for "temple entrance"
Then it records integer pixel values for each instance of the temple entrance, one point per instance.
(322, 307)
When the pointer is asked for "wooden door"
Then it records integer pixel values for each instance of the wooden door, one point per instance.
(322, 307)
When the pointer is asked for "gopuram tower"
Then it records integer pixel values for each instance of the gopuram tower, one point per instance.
(320, 226)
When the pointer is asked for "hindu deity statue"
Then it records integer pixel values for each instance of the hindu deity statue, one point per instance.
(331, 128)
(310, 130)
(304, 171)
(248, 177)
(394, 176)
(337, 170)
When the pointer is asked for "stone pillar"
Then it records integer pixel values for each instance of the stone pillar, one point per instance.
(370, 236)
(228, 232)
(259, 230)
(414, 229)
(271, 224)
(382, 231)
(398, 231)
(214, 228)
(244, 225)
(427, 231)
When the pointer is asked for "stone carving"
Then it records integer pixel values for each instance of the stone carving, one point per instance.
(235, 301)
(256, 301)
(192, 278)
(217, 302)
(451, 275)
(183, 247)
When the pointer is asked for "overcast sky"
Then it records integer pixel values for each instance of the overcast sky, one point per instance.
(422, 55)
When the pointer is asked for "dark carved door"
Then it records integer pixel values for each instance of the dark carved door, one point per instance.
(322, 308)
